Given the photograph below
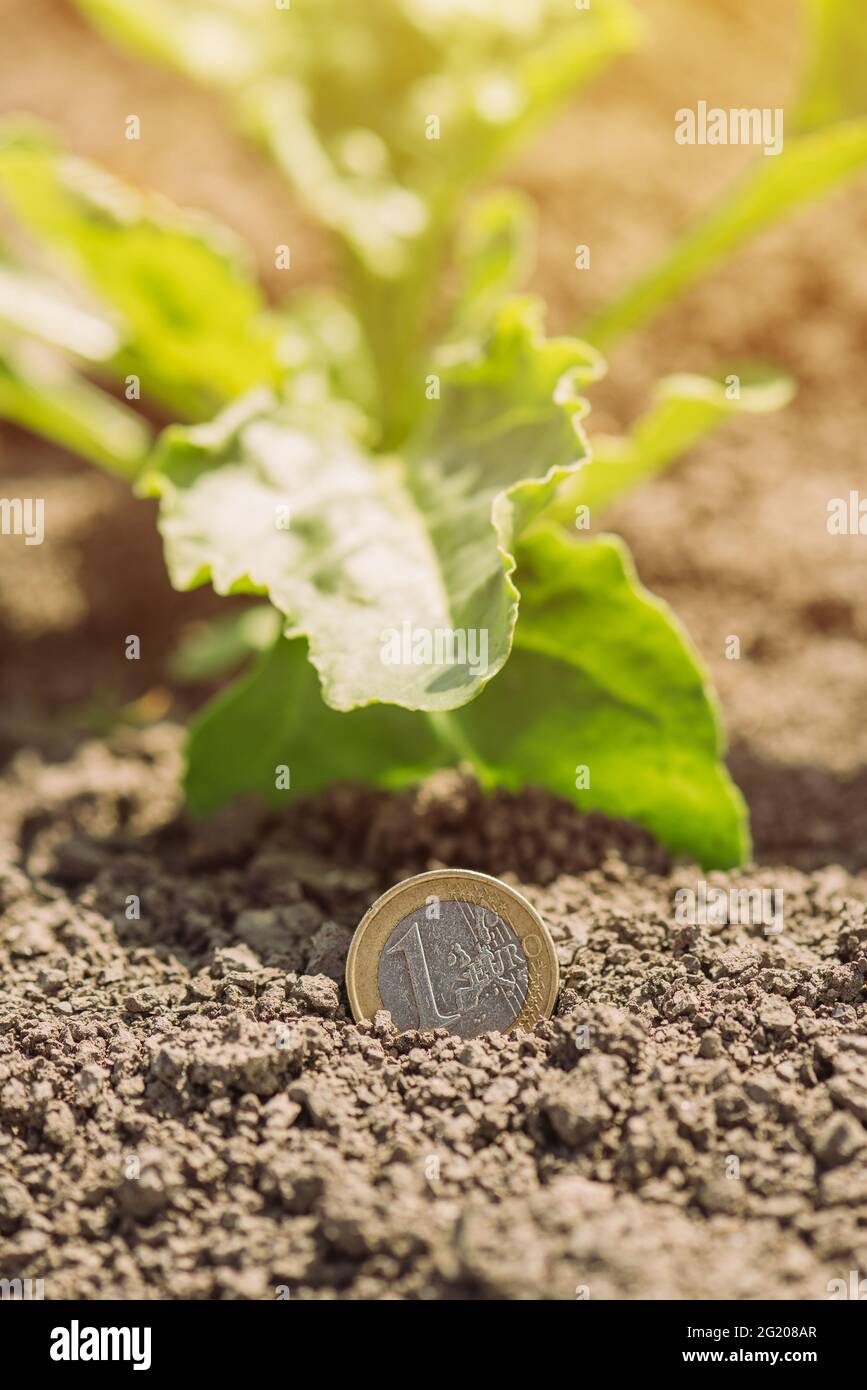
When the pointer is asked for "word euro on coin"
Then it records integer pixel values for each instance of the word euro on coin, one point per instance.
(453, 949)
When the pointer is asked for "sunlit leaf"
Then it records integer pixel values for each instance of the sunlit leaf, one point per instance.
(603, 685)
(494, 255)
(687, 408)
(371, 557)
(42, 392)
(809, 166)
(217, 647)
(275, 716)
(189, 314)
(384, 117)
(603, 701)
(835, 87)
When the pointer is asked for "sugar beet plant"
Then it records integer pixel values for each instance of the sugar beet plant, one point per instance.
(396, 466)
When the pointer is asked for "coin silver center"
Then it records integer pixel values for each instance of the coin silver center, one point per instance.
(453, 965)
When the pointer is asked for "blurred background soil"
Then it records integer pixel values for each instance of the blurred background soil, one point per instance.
(735, 538)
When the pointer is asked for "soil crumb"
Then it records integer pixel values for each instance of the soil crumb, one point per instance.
(188, 1111)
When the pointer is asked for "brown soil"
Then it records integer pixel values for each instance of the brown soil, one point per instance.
(184, 1109)
(188, 1113)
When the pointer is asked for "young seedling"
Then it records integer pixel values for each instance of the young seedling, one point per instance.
(401, 472)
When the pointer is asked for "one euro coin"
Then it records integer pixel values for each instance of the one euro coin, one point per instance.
(453, 949)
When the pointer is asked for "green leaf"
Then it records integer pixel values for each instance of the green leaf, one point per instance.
(42, 309)
(190, 316)
(686, 410)
(835, 87)
(342, 95)
(41, 389)
(276, 717)
(491, 71)
(215, 41)
(322, 348)
(397, 569)
(603, 677)
(494, 255)
(215, 648)
(808, 167)
(42, 392)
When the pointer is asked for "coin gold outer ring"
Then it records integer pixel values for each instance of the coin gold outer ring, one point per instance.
(459, 885)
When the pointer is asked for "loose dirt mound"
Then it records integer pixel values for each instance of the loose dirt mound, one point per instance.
(187, 1111)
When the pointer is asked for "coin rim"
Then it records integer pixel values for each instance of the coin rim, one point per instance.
(372, 932)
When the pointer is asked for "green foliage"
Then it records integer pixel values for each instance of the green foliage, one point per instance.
(835, 87)
(494, 255)
(276, 715)
(369, 544)
(808, 166)
(45, 338)
(423, 487)
(826, 146)
(189, 315)
(42, 393)
(686, 409)
(343, 93)
(601, 676)
(344, 97)
(211, 650)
